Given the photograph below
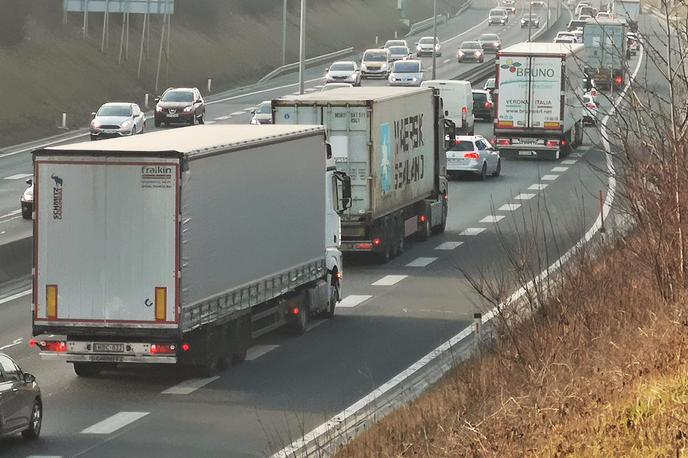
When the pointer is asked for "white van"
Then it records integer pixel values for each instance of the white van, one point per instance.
(457, 97)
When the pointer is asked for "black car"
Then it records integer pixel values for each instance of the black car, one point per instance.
(179, 106)
(530, 21)
(483, 107)
(490, 42)
(21, 407)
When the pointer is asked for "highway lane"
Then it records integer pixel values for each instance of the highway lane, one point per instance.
(235, 107)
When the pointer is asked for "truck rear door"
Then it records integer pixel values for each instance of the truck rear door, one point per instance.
(545, 93)
(106, 241)
(513, 88)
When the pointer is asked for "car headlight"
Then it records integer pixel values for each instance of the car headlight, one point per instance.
(125, 125)
(419, 49)
(477, 54)
(95, 124)
(158, 108)
(364, 67)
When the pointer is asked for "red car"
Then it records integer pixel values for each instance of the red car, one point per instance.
(180, 106)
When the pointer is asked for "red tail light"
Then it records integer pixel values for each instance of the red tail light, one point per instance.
(159, 349)
(591, 105)
(552, 143)
(422, 218)
(377, 242)
(464, 110)
(295, 311)
(472, 155)
(364, 246)
(50, 345)
(488, 105)
(503, 141)
(619, 80)
(186, 347)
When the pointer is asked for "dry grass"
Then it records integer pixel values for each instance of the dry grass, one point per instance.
(598, 371)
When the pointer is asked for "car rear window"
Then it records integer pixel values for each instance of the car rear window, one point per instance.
(399, 50)
(463, 145)
(342, 67)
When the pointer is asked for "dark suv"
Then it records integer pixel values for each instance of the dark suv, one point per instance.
(483, 107)
(180, 106)
(21, 408)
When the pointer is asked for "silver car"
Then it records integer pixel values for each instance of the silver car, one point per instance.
(406, 73)
(343, 72)
(21, 405)
(332, 86)
(117, 120)
(473, 154)
(262, 114)
(425, 47)
(398, 53)
(390, 43)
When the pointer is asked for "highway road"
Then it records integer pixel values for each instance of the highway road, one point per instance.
(391, 316)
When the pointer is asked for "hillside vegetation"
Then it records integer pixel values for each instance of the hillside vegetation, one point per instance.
(48, 69)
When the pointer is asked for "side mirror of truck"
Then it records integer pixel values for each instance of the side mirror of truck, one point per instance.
(343, 191)
(329, 151)
(29, 181)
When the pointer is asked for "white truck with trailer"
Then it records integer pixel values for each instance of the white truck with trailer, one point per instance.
(181, 246)
(539, 108)
(628, 11)
(391, 143)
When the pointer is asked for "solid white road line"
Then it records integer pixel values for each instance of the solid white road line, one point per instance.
(509, 207)
(319, 86)
(259, 350)
(7, 299)
(189, 386)
(389, 280)
(223, 118)
(43, 145)
(449, 246)
(115, 422)
(549, 177)
(12, 213)
(13, 344)
(472, 231)
(559, 169)
(237, 113)
(537, 186)
(210, 122)
(446, 61)
(353, 300)
(492, 219)
(18, 176)
(569, 162)
(44, 456)
(421, 262)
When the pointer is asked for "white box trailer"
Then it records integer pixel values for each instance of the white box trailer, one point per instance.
(391, 142)
(539, 107)
(605, 52)
(179, 246)
(628, 11)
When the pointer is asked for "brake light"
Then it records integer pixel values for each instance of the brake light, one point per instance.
(619, 80)
(158, 349)
(50, 345)
(363, 246)
(488, 104)
(422, 218)
(503, 141)
(377, 242)
(472, 155)
(295, 311)
(186, 347)
(464, 110)
(552, 143)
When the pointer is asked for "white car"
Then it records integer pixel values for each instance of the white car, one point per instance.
(262, 114)
(425, 47)
(473, 154)
(399, 53)
(331, 86)
(117, 120)
(591, 108)
(497, 16)
(343, 72)
(566, 35)
(390, 43)
(375, 63)
(406, 73)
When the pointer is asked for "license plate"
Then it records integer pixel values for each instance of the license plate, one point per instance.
(108, 347)
(172, 115)
(526, 153)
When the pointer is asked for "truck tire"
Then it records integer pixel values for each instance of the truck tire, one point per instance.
(302, 321)
(332, 303)
(445, 212)
(87, 369)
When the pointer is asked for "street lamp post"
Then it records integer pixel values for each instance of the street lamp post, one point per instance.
(284, 34)
(302, 45)
(530, 18)
(434, 35)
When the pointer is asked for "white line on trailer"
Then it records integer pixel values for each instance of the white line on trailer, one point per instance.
(537, 186)
(353, 300)
(509, 207)
(258, 351)
(389, 280)
(7, 299)
(559, 169)
(472, 231)
(492, 219)
(421, 262)
(549, 177)
(189, 386)
(115, 422)
(18, 176)
(449, 246)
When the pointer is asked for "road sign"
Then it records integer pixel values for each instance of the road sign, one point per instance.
(120, 6)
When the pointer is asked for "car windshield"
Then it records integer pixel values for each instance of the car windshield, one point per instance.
(342, 67)
(463, 145)
(489, 37)
(374, 57)
(406, 67)
(497, 13)
(265, 108)
(391, 43)
(426, 41)
(115, 110)
(399, 50)
(178, 96)
(470, 45)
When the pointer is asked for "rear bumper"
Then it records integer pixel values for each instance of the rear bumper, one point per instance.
(103, 358)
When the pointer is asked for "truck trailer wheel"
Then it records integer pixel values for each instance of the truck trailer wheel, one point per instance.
(87, 369)
(302, 321)
(445, 212)
(332, 303)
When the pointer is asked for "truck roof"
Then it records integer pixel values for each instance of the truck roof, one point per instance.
(545, 49)
(189, 141)
(604, 21)
(353, 94)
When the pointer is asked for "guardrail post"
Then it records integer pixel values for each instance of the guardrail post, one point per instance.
(396, 34)
(210, 85)
(377, 40)
(63, 124)
(477, 322)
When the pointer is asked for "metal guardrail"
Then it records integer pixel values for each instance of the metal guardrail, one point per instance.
(425, 24)
(312, 60)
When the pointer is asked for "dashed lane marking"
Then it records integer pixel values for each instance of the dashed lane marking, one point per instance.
(537, 186)
(222, 118)
(7, 299)
(492, 219)
(509, 207)
(421, 262)
(472, 231)
(259, 350)
(18, 176)
(449, 246)
(115, 422)
(13, 344)
(310, 89)
(353, 300)
(549, 177)
(389, 280)
(569, 162)
(559, 169)
(189, 386)
(237, 113)
(446, 61)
